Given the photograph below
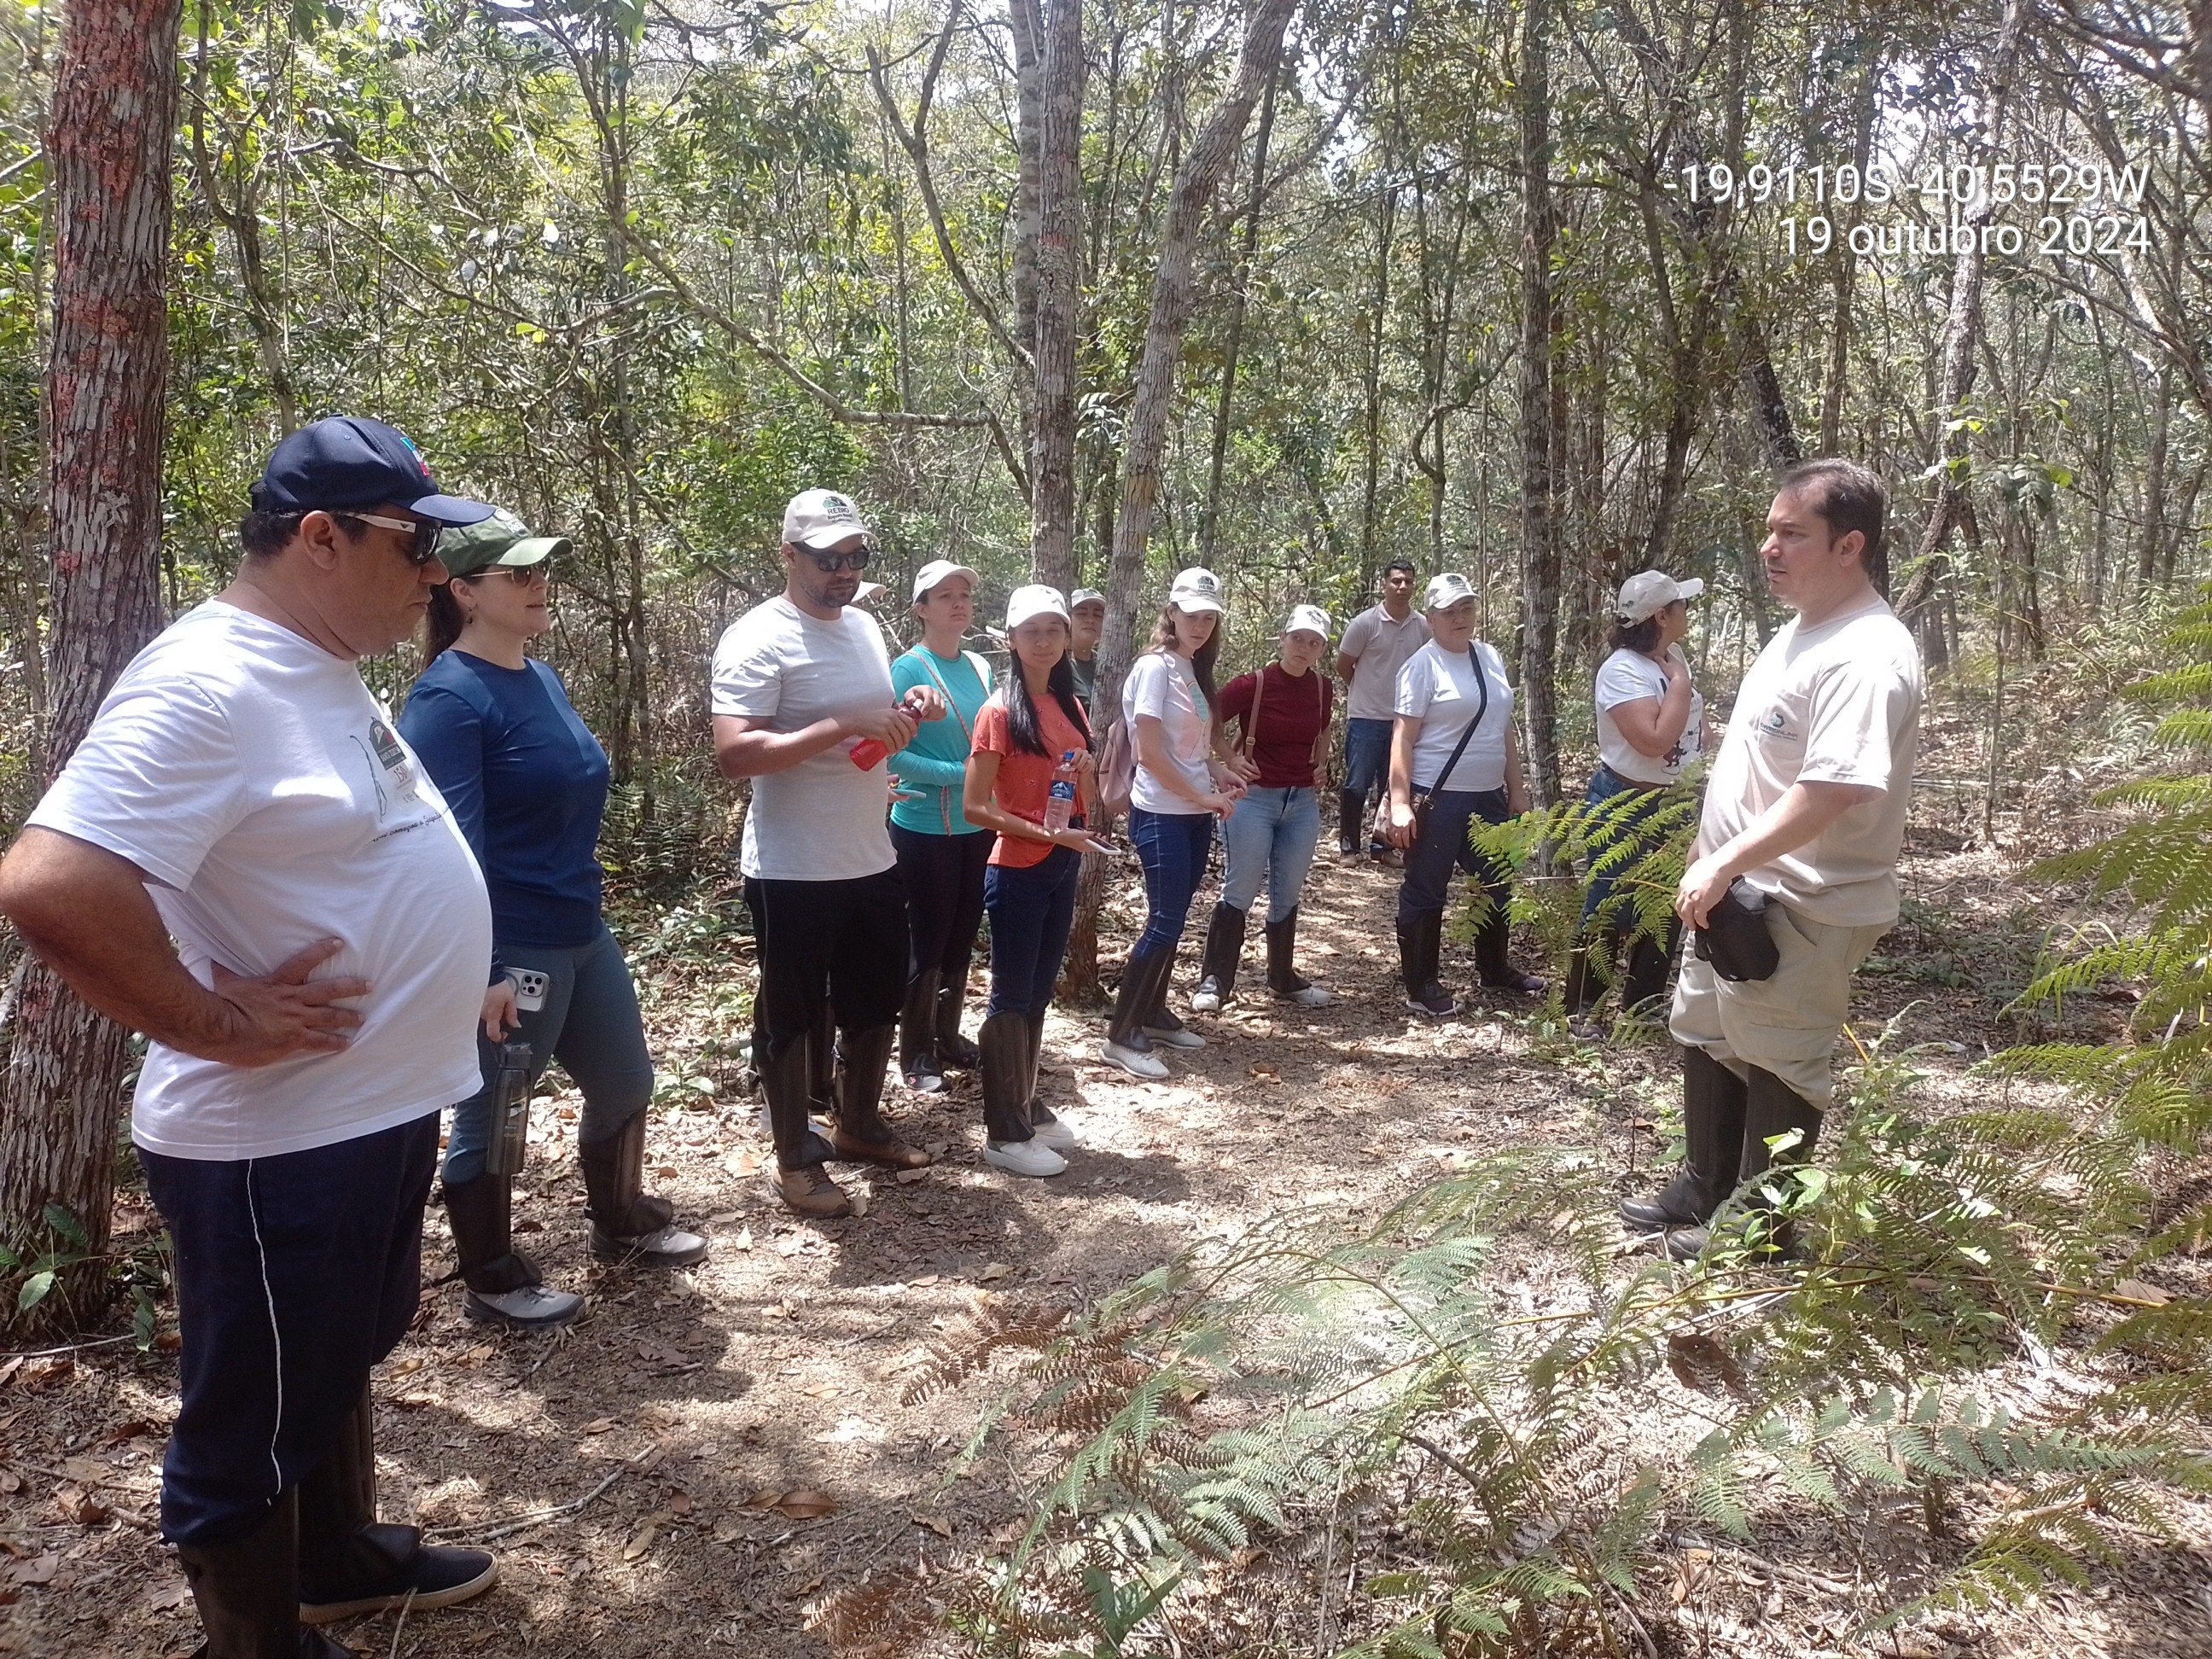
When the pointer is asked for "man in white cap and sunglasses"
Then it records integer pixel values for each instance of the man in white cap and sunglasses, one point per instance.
(804, 707)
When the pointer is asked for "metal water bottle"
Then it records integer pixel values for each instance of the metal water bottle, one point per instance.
(510, 1111)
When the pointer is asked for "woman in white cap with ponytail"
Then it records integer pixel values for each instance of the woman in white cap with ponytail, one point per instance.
(1651, 724)
(1454, 758)
(1283, 715)
(940, 853)
(1179, 789)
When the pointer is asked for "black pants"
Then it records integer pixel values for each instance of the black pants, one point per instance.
(844, 942)
(294, 1275)
(944, 878)
(1444, 846)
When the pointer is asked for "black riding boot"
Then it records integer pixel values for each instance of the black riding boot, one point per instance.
(1771, 1109)
(505, 1286)
(1491, 941)
(628, 1224)
(350, 1562)
(860, 1131)
(1351, 822)
(1284, 978)
(247, 1590)
(1007, 1077)
(1646, 982)
(800, 1180)
(1217, 968)
(952, 1049)
(822, 1064)
(1713, 1106)
(1420, 948)
(917, 1035)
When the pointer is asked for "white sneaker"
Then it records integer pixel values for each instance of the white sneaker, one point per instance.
(1055, 1132)
(1312, 997)
(1207, 999)
(532, 1308)
(1135, 1061)
(1176, 1037)
(1024, 1158)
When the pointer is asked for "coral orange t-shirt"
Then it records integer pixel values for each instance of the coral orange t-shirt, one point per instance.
(1023, 786)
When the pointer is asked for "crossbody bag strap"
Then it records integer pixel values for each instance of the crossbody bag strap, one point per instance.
(922, 655)
(1481, 713)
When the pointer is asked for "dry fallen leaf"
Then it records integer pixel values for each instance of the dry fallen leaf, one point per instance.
(908, 1177)
(805, 1504)
(744, 1241)
(80, 1508)
(1695, 1565)
(641, 1542)
(167, 1596)
(2141, 1291)
(598, 1425)
(10, 1481)
(936, 1524)
(859, 1200)
(996, 1270)
(763, 1500)
(41, 1569)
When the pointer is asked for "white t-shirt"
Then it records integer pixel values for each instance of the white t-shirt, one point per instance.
(267, 798)
(1838, 703)
(823, 819)
(1161, 685)
(1631, 677)
(1380, 647)
(1442, 693)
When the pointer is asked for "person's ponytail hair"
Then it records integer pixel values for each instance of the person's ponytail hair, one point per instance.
(1022, 725)
(444, 624)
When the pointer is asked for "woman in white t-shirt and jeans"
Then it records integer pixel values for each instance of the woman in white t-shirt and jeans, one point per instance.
(1180, 788)
(1454, 746)
(1651, 724)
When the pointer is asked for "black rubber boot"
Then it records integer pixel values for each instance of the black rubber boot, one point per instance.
(247, 1590)
(952, 1049)
(350, 1563)
(1491, 943)
(860, 1131)
(1032, 1057)
(1006, 1077)
(917, 1035)
(1144, 984)
(800, 1152)
(629, 1223)
(1581, 992)
(1284, 978)
(822, 1064)
(1713, 1114)
(1420, 948)
(1225, 949)
(1646, 982)
(1771, 1109)
(480, 1214)
(1351, 822)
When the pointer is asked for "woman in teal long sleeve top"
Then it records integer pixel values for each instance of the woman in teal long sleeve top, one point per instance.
(941, 855)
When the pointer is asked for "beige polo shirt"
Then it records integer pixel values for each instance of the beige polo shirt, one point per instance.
(1838, 703)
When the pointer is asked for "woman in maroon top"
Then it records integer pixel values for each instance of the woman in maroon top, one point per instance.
(1283, 712)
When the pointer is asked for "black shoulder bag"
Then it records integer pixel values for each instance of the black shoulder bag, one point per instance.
(1481, 709)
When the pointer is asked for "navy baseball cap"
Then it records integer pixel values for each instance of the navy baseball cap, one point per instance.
(349, 461)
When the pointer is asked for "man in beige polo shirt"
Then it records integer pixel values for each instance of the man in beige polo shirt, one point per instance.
(1804, 812)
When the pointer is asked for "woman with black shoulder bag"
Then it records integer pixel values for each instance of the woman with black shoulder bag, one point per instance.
(1454, 758)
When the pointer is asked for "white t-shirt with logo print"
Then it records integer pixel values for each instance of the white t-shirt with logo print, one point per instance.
(1631, 676)
(1838, 703)
(270, 802)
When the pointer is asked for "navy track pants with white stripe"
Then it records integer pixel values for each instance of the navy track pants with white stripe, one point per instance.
(294, 1274)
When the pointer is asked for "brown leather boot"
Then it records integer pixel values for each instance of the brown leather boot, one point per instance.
(799, 1179)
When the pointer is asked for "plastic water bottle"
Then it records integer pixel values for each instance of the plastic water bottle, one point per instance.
(1059, 807)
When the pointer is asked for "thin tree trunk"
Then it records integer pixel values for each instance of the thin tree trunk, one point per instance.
(2154, 472)
(1060, 200)
(114, 110)
(1210, 522)
(1378, 308)
(1539, 552)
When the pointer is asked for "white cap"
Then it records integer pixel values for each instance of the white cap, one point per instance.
(1308, 619)
(1036, 600)
(823, 517)
(937, 570)
(1086, 596)
(1196, 589)
(869, 593)
(1648, 593)
(1446, 591)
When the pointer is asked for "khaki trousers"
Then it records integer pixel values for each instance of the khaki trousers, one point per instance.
(1786, 1023)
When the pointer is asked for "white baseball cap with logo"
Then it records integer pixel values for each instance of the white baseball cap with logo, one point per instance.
(1035, 600)
(1308, 619)
(1446, 591)
(823, 517)
(927, 579)
(1648, 593)
(1084, 596)
(1196, 589)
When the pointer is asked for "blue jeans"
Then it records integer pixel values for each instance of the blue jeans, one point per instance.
(1366, 757)
(1271, 836)
(1031, 909)
(589, 1024)
(1621, 828)
(1444, 846)
(1172, 848)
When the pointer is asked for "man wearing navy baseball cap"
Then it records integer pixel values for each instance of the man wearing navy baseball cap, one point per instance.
(242, 793)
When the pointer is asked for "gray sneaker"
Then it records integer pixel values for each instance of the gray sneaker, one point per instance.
(532, 1308)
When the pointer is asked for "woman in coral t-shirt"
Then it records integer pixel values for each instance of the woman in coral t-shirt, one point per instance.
(1030, 729)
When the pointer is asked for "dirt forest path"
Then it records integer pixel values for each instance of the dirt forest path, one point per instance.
(728, 1444)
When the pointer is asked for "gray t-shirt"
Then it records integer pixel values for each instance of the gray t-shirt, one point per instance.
(823, 819)
(1379, 647)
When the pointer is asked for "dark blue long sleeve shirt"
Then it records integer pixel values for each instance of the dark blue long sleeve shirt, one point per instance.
(527, 782)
